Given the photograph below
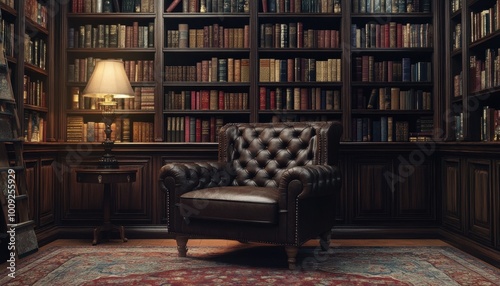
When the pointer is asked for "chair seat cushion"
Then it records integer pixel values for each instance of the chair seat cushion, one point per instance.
(232, 203)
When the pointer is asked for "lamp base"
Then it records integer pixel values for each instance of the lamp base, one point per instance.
(108, 160)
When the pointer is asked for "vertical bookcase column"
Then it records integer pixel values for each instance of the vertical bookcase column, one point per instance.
(159, 76)
(347, 70)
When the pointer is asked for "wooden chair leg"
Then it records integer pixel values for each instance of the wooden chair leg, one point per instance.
(324, 240)
(181, 245)
(291, 252)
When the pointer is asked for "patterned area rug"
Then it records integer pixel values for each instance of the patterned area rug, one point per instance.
(253, 265)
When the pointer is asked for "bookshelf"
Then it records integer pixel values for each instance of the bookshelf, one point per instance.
(28, 31)
(473, 80)
(300, 62)
(264, 61)
(393, 67)
(123, 30)
(206, 57)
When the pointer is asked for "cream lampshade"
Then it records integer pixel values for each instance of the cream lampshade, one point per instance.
(108, 81)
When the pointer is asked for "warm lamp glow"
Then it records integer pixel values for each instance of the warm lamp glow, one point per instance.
(109, 78)
(108, 81)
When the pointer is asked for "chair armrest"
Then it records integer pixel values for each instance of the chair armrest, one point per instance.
(312, 180)
(185, 177)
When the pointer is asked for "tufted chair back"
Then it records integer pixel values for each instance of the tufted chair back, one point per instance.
(260, 152)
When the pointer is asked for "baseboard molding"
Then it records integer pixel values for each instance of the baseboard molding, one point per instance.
(468, 245)
(343, 232)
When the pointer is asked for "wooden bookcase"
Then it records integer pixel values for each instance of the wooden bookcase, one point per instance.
(330, 90)
(473, 65)
(30, 48)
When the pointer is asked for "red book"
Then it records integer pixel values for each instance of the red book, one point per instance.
(264, 6)
(304, 99)
(221, 100)
(262, 98)
(399, 35)
(193, 100)
(172, 5)
(205, 100)
(186, 128)
(198, 130)
(272, 99)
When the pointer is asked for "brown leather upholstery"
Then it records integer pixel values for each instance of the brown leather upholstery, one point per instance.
(274, 183)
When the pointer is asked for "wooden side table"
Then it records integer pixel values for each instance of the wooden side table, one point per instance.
(107, 177)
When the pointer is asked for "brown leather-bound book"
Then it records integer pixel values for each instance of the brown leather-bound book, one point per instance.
(230, 70)
(290, 69)
(205, 130)
(221, 99)
(204, 71)
(296, 98)
(237, 70)
(245, 70)
(336, 100)
(212, 130)
(300, 35)
(246, 36)
(213, 99)
(192, 38)
(395, 98)
(264, 70)
(304, 98)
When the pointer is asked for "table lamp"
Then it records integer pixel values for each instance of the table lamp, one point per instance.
(108, 81)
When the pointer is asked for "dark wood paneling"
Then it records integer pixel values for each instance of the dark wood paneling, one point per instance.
(452, 206)
(480, 200)
(414, 193)
(131, 203)
(371, 192)
(31, 169)
(46, 198)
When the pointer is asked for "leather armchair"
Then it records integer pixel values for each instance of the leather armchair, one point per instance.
(273, 182)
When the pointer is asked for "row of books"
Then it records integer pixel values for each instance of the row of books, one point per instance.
(35, 51)
(213, 36)
(485, 72)
(490, 124)
(34, 92)
(387, 129)
(392, 35)
(9, 3)
(301, 6)
(209, 6)
(193, 128)
(206, 100)
(111, 36)
(300, 70)
(293, 35)
(123, 130)
(103, 6)
(36, 12)
(213, 70)
(34, 127)
(393, 98)
(143, 100)
(299, 98)
(391, 6)
(484, 22)
(366, 69)
(7, 37)
(137, 70)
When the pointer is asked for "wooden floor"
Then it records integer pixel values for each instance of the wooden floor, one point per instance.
(232, 244)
